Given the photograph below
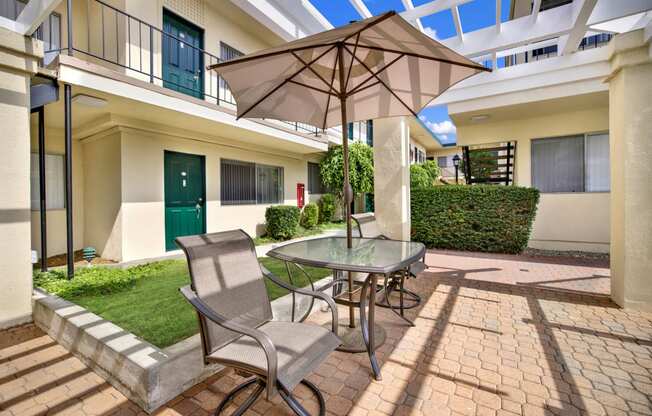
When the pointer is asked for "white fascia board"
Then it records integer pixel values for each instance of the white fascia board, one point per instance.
(559, 90)
(324, 24)
(110, 86)
(580, 66)
(8, 24)
(34, 13)
(431, 8)
(550, 23)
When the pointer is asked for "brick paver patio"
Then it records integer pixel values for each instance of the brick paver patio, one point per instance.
(489, 340)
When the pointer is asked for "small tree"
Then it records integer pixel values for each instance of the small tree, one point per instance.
(482, 166)
(361, 169)
(419, 177)
(432, 168)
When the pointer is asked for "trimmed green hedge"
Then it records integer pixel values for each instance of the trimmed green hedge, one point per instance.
(310, 216)
(475, 218)
(282, 221)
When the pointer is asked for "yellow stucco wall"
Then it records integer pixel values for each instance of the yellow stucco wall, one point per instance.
(56, 218)
(565, 221)
(18, 55)
(630, 89)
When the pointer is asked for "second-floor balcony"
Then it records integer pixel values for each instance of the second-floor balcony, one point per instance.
(173, 55)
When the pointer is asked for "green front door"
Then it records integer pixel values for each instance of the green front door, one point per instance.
(183, 66)
(185, 196)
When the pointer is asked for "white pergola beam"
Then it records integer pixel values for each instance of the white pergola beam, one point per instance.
(536, 6)
(551, 23)
(431, 8)
(498, 15)
(458, 23)
(409, 6)
(609, 10)
(582, 10)
(34, 13)
(361, 8)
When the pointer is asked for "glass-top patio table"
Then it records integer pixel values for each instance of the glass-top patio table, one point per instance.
(367, 255)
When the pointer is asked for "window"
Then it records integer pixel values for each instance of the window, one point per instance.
(443, 161)
(315, 184)
(54, 182)
(361, 131)
(244, 183)
(571, 164)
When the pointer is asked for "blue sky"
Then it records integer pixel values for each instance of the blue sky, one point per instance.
(474, 15)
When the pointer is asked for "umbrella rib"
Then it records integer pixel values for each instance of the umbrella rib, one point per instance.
(357, 90)
(268, 55)
(383, 83)
(312, 88)
(328, 101)
(284, 82)
(392, 62)
(416, 55)
(348, 76)
(315, 72)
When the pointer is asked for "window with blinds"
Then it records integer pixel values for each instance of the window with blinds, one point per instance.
(245, 183)
(54, 182)
(315, 184)
(571, 164)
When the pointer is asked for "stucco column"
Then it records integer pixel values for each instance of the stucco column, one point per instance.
(18, 56)
(630, 126)
(392, 176)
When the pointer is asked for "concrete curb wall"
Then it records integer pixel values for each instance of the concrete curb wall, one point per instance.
(148, 375)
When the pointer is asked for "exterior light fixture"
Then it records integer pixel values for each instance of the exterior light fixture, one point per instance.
(479, 117)
(456, 163)
(89, 101)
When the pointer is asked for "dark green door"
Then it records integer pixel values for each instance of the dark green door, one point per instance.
(184, 196)
(183, 67)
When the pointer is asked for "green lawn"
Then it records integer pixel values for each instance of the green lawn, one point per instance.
(304, 232)
(153, 309)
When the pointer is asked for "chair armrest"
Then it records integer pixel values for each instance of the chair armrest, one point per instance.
(329, 300)
(260, 337)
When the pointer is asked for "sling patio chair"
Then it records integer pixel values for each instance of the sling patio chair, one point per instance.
(367, 227)
(235, 319)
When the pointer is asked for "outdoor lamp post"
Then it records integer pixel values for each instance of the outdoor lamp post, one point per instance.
(456, 163)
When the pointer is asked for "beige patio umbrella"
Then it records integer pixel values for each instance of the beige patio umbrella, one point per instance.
(378, 67)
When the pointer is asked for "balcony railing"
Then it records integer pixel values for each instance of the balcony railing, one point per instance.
(137, 47)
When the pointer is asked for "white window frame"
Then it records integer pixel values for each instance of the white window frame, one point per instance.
(585, 138)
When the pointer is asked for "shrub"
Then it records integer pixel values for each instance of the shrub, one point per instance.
(419, 177)
(282, 221)
(326, 208)
(93, 281)
(361, 169)
(475, 218)
(310, 216)
(432, 168)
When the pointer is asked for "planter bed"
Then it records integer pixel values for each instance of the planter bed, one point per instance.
(148, 374)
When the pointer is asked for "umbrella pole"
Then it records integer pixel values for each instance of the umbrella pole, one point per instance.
(347, 193)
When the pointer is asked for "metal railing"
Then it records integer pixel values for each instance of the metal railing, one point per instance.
(122, 40)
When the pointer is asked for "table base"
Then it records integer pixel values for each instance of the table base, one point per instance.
(352, 337)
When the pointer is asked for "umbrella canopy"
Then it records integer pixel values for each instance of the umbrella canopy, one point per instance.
(378, 67)
(390, 67)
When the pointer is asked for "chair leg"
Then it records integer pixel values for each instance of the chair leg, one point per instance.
(248, 401)
(411, 299)
(296, 406)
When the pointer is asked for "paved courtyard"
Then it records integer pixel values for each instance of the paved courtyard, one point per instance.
(490, 339)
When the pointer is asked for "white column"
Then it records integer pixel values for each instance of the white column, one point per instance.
(630, 127)
(18, 62)
(392, 176)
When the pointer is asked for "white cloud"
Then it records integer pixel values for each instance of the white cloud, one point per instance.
(443, 128)
(430, 32)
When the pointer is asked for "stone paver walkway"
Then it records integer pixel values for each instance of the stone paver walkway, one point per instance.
(479, 348)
